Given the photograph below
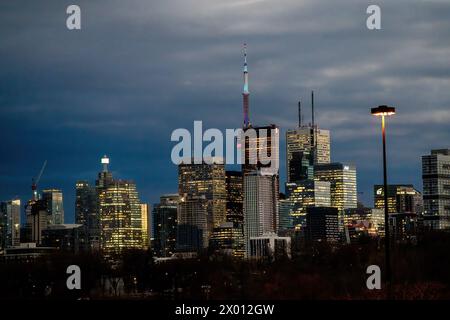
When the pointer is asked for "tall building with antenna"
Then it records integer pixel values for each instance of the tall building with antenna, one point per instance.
(260, 143)
(120, 213)
(260, 173)
(306, 146)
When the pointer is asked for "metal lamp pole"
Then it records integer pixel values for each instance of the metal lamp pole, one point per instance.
(384, 111)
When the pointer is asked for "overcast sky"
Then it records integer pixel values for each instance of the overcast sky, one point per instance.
(139, 69)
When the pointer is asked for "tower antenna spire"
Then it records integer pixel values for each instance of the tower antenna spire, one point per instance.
(300, 113)
(312, 107)
(245, 92)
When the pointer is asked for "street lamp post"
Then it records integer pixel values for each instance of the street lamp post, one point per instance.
(384, 111)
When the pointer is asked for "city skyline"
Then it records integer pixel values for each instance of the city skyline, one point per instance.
(234, 157)
(94, 113)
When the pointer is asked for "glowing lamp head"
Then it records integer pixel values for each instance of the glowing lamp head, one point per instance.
(383, 111)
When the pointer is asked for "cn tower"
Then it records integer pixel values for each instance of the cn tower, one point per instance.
(245, 92)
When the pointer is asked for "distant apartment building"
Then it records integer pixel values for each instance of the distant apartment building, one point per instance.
(436, 188)
(164, 226)
(87, 212)
(9, 223)
(401, 198)
(322, 224)
(269, 246)
(228, 239)
(53, 199)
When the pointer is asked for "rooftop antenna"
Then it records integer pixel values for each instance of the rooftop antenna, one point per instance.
(299, 113)
(312, 107)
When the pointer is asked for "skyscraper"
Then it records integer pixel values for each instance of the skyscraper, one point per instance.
(300, 166)
(285, 220)
(306, 143)
(87, 212)
(306, 146)
(234, 205)
(322, 224)
(208, 180)
(260, 206)
(53, 199)
(165, 221)
(120, 218)
(261, 157)
(37, 219)
(261, 149)
(9, 223)
(146, 221)
(401, 198)
(436, 187)
(343, 183)
(193, 229)
(304, 194)
(120, 214)
(228, 239)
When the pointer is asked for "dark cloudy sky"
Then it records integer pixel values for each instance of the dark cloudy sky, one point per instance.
(139, 69)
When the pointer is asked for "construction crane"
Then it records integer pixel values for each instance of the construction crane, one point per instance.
(35, 181)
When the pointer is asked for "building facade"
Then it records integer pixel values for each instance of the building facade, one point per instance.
(270, 246)
(228, 239)
(146, 225)
(193, 230)
(306, 144)
(207, 181)
(260, 206)
(87, 212)
(37, 219)
(120, 213)
(307, 193)
(401, 198)
(67, 237)
(9, 223)
(286, 214)
(436, 187)
(120, 218)
(54, 203)
(363, 220)
(322, 224)
(261, 149)
(164, 226)
(234, 183)
(342, 178)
